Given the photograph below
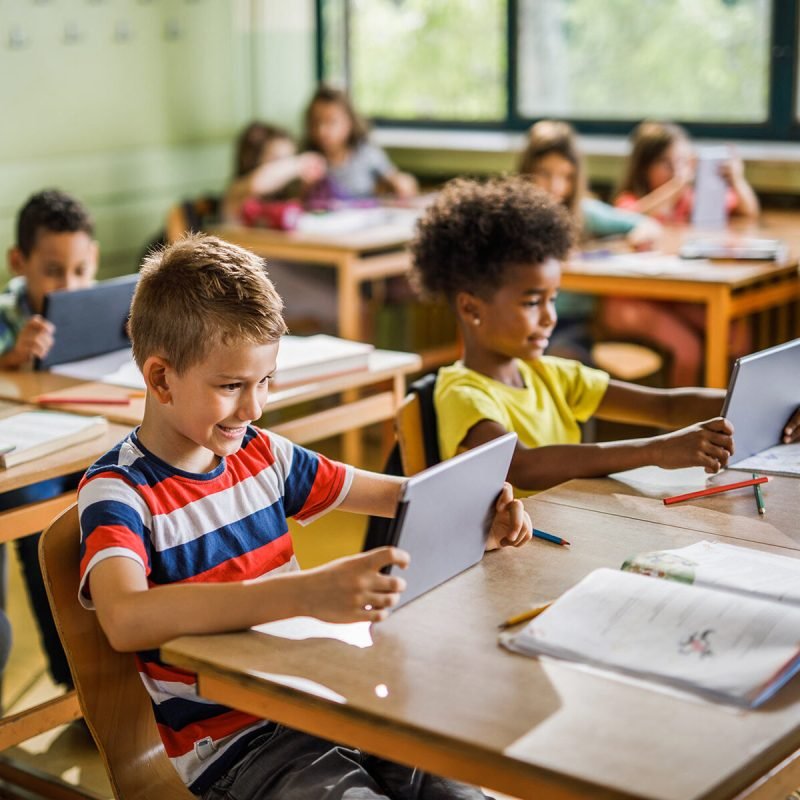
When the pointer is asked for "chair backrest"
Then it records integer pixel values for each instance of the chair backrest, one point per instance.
(415, 424)
(114, 702)
(192, 215)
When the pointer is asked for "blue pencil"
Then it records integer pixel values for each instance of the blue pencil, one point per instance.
(548, 537)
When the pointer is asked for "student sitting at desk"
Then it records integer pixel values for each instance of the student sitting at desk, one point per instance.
(267, 166)
(552, 160)
(55, 250)
(494, 251)
(658, 182)
(357, 169)
(183, 529)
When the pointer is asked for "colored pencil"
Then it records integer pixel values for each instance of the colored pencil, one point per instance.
(548, 537)
(525, 615)
(76, 400)
(762, 509)
(726, 487)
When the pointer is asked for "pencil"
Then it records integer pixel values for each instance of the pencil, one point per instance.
(726, 487)
(548, 537)
(525, 615)
(102, 401)
(762, 509)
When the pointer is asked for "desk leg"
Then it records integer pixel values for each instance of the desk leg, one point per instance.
(349, 310)
(718, 323)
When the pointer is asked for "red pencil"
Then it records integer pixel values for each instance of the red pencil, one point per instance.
(93, 401)
(725, 487)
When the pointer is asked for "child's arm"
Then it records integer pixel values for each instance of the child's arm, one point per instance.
(271, 177)
(707, 444)
(135, 617)
(747, 204)
(661, 408)
(34, 341)
(402, 184)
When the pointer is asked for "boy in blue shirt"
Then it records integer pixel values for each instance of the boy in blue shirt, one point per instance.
(55, 249)
(184, 531)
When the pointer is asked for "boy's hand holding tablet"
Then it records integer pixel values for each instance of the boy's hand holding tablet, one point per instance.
(708, 444)
(512, 525)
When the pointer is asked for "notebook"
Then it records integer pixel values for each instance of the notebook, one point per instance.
(723, 624)
(304, 358)
(734, 248)
(444, 515)
(710, 189)
(33, 434)
(763, 392)
(89, 321)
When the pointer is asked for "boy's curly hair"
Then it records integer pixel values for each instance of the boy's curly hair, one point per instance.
(53, 211)
(473, 232)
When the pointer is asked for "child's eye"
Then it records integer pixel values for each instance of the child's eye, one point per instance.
(532, 303)
(230, 387)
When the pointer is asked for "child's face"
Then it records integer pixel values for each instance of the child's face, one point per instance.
(556, 175)
(57, 261)
(211, 403)
(519, 318)
(330, 127)
(674, 161)
(277, 149)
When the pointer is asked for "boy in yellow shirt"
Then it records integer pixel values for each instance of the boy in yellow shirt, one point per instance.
(183, 530)
(494, 250)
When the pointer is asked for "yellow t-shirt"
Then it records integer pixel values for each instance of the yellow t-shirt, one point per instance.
(558, 393)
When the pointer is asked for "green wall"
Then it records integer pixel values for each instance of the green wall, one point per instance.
(133, 104)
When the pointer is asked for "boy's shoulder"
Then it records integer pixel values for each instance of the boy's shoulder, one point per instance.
(125, 460)
(13, 301)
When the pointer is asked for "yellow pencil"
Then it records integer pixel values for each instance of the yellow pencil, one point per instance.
(525, 615)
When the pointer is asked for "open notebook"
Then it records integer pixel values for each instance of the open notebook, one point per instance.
(724, 624)
(33, 434)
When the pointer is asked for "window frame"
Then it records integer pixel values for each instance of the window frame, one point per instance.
(781, 124)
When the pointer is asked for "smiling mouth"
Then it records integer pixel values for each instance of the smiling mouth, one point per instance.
(233, 431)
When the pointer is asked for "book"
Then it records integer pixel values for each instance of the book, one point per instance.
(724, 624)
(782, 459)
(304, 358)
(117, 368)
(734, 248)
(32, 434)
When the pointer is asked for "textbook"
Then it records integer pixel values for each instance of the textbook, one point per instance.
(734, 248)
(782, 459)
(32, 434)
(304, 358)
(724, 623)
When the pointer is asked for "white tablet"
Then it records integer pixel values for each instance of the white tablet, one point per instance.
(763, 393)
(710, 189)
(445, 513)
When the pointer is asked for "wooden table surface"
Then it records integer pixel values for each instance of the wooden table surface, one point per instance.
(436, 690)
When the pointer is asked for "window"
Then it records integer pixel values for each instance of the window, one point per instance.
(722, 67)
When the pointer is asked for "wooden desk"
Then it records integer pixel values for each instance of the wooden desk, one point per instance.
(354, 412)
(733, 513)
(357, 257)
(727, 290)
(435, 690)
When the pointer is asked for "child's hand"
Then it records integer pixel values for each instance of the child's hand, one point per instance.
(34, 340)
(732, 170)
(353, 589)
(311, 167)
(511, 525)
(791, 433)
(645, 235)
(708, 444)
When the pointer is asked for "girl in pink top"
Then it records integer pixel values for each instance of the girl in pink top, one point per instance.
(658, 182)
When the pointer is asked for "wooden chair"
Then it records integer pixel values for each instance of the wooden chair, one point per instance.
(626, 360)
(114, 702)
(415, 427)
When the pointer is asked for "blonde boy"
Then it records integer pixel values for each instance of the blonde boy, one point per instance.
(182, 521)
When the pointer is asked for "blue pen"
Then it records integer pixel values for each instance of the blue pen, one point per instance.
(548, 537)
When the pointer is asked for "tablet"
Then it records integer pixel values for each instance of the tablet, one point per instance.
(444, 515)
(710, 189)
(89, 321)
(763, 393)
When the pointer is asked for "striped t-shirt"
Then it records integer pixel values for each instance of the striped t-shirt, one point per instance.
(225, 525)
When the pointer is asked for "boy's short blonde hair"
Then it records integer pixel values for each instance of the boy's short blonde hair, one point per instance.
(200, 292)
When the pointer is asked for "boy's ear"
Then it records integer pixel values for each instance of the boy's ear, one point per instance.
(468, 308)
(155, 371)
(16, 261)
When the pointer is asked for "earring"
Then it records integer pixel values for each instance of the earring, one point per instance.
(476, 321)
